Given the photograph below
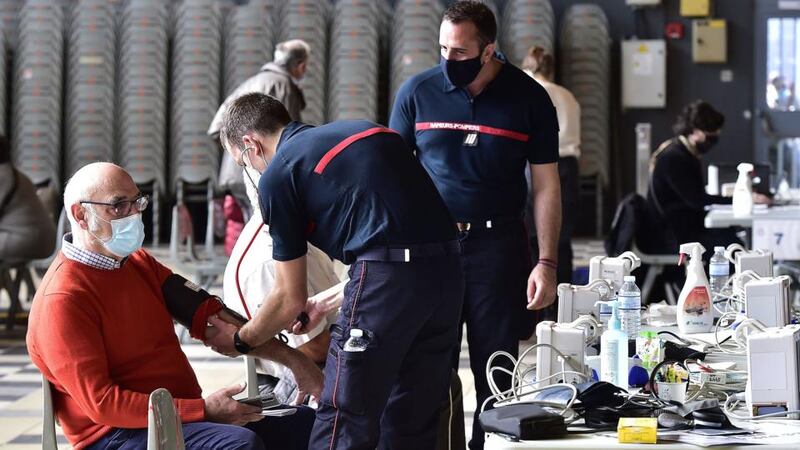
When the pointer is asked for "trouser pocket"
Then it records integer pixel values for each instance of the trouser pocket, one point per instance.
(346, 377)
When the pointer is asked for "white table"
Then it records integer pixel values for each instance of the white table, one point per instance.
(591, 442)
(721, 216)
(775, 228)
(602, 441)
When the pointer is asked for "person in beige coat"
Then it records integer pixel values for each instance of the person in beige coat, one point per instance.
(278, 79)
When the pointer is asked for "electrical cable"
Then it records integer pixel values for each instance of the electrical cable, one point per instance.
(738, 398)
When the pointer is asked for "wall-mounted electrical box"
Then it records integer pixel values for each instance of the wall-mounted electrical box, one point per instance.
(695, 8)
(709, 41)
(644, 74)
(643, 2)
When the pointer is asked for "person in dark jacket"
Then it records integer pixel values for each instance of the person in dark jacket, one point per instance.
(677, 198)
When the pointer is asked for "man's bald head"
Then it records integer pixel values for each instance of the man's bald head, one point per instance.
(92, 179)
(96, 182)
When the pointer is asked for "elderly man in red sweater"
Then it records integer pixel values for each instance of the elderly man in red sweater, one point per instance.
(100, 330)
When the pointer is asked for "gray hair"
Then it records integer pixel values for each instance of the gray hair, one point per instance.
(83, 185)
(291, 53)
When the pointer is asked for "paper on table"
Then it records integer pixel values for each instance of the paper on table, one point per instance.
(784, 435)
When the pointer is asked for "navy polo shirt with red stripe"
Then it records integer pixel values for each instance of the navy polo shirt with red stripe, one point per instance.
(346, 187)
(476, 148)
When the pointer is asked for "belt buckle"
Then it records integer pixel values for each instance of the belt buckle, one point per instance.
(463, 226)
(407, 254)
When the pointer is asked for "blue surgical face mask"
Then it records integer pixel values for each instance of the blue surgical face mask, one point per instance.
(127, 235)
(461, 73)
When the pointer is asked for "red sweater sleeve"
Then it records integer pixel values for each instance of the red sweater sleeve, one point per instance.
(75, 356)
(161, 271)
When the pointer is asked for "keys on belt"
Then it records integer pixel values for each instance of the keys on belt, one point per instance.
(468, 226)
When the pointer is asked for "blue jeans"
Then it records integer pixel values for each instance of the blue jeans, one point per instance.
(290, 432)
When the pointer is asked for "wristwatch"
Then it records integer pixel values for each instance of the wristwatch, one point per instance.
(240, 345)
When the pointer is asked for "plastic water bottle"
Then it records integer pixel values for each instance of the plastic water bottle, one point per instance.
(630, 307)
(718, 271)
(357, 342)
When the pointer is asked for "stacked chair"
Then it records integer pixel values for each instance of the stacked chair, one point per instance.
(142, 98)
(89, 121)
(249, 41)
(194, 158)
(353, 70)
(308, 20)
(196, 58)
(415, 37)
(9, 21)
(37, 94)
(4, 59)
(526, 24)
(585, 59)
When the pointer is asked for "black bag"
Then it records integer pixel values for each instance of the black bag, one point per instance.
(630, 215)
(523, 421)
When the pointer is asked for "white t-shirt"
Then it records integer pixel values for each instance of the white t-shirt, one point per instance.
(257, 276)
(569, 117)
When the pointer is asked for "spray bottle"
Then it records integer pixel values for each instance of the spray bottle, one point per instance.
(614, 350)
(694, 303)
(743, 192)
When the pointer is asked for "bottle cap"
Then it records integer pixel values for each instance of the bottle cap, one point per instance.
(719, 248)
(630, 278)
(355, 332)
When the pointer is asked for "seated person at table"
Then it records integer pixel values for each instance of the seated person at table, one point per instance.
(101, 332)
(676, 198)
(250, 275)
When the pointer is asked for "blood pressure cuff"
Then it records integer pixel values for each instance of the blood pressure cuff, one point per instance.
(190, 305)
(600, 393)
(677, 352)
(523, 421)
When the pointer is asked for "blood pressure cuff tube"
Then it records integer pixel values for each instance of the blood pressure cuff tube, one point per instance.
(191, 305)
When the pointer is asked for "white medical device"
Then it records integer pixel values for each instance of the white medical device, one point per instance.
(613, 269)
(773, 382)
(767, 300)
(758, 261)
(575, 301)
(571, 342)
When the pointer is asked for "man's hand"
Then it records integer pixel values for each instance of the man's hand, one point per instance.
(319, 306)
(219, 337)
(308, 377)
(541, 287)
(761, 199)
(316, 314)
(221, 408)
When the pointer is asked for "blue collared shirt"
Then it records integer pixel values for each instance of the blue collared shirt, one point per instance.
(350, 198)
(476, 148)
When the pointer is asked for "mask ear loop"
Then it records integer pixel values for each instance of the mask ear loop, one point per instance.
(90, 209)
(245, 166)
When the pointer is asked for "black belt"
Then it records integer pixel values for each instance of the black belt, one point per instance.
(410, 252)
(502, 222)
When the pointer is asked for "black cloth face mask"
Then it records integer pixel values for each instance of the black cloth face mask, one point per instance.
(705, 146)
(461, 73)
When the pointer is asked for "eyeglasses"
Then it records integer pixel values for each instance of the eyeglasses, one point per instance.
(123, 208)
